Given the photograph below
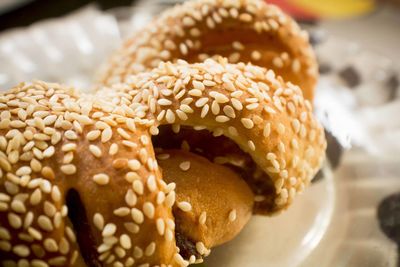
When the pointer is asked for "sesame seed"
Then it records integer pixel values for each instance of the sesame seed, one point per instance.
(137, 216)
(185, 165)
(281, 147)
(130, 198)
(179, 259)
(134, 164)
(109, 230)
(281, 128)
(98, 221)
(195, 92)
(279, 183)
(132, 227)
(201, 248)
(267, 129)
(57, 220)
(35, 233)
(35, 197)
(95, 150)
(151, 183)
(170, 116)
(303, 116)
(123, 133)
(234, 57)
(236, 104)
(204, 111)
(68, 169)
(232, 215)
(125, 241)
(247, 123)
(45, 223)
(203, 217)
(198, 85)
(137, 252)
(56, 194)
(93, 135)
(256, 55)
(237, 45)
(186, 108)
(129, 144)
(183, 48)
(245, 17)
(131, 176)
(138, 187)
(215, 107)
(121, 212)
(252, 106)
(106, 135)
(68, 147)
(184, 206)
(50, 245)
(220, 98)
(201, 102)
(71, 135)
(160, 226)
(21, 250)
(170, 199)
(149, 210)
(164, 102)
(150, 249)
(251, 145)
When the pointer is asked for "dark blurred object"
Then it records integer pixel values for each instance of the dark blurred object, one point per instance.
(32, 11)
(8, 5)
(395, 2)
(350, 76)
(389, 219)
(393, 84)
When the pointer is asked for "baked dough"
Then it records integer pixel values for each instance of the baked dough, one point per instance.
(242, 31)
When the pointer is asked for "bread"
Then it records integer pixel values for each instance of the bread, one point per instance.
(243, 31)
(264, 123)
(80, 184)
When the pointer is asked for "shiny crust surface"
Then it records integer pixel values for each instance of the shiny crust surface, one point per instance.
(242, 31)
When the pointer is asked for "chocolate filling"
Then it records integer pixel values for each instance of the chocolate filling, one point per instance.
(79, 220)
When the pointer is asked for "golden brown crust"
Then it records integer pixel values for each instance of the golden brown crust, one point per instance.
(243, 31)
(221, 202)
(55, 148)
(267, 118)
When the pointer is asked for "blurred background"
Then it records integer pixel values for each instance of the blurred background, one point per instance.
(374, 22)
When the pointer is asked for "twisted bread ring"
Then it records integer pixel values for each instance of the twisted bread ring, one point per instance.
(243, 31)
(79, 186)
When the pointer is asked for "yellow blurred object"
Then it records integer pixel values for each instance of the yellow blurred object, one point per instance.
(337, 9)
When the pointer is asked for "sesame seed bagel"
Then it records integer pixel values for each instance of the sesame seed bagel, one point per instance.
(264, 128)
(79, 184)
(243, 31)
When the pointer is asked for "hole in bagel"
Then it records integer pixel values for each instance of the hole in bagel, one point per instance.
(81, 226)
(221, 150)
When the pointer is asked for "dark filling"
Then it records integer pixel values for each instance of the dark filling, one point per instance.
(79, 220)
(187, 247)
